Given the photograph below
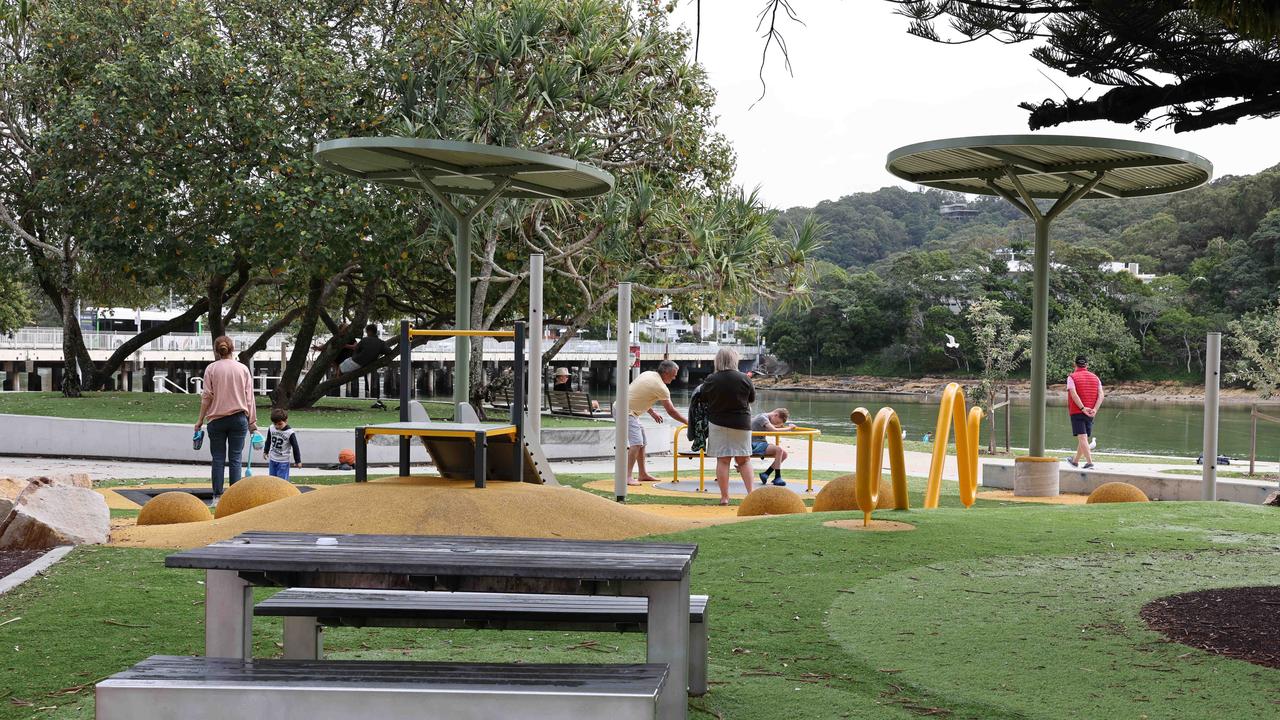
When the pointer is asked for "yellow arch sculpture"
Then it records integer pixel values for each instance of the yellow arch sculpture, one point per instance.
(872, 436)
(967, 426)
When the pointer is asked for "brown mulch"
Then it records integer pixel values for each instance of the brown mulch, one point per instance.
(11, 560)
(1243, 623)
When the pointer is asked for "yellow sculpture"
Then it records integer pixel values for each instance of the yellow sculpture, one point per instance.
(871, 439)
(872, 436)
(966, 426)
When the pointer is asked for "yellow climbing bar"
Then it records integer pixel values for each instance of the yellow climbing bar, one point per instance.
(967, 426)
(872, 436)
(462, 333)
(777, 435)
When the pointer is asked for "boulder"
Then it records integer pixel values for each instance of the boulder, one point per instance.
(72, 479)
(10, 489)
(1273, 499)
(52, 514)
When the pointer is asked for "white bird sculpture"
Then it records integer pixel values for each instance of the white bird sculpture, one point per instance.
(951, 341)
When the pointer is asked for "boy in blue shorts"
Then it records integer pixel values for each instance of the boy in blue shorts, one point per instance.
(776, 420)
(282, 442)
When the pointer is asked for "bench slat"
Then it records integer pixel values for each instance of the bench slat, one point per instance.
(464, 606)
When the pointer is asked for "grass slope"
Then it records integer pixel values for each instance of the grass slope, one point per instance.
(992, 612)
(343, 413)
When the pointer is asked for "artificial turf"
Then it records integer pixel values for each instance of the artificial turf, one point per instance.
(1026, 611)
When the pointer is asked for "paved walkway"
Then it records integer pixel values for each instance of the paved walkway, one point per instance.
(829, 456)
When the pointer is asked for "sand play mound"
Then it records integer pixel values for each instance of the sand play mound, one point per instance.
(422, 506)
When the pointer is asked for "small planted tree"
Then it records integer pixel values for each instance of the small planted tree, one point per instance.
(1256, 339)
(999, 348)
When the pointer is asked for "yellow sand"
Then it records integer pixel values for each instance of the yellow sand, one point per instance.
(875, 526)
(423, 506)
(116, 501)
(1008, 496)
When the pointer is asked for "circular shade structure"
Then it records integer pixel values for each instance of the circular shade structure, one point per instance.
(448, 167)
(1063, 168)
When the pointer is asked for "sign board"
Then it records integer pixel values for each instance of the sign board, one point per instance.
(635, 355)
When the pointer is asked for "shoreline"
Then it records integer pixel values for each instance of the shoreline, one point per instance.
(1153, 391)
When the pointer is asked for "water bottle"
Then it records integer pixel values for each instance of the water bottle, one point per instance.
(197, 440)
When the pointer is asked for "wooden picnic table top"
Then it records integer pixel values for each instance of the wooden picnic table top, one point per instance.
(441, 555)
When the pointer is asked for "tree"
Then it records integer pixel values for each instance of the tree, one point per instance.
(998, 347)
(1189, 64)
(1256, 339)
(1098, 333)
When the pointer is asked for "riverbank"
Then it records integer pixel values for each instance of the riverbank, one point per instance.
(1162, 391)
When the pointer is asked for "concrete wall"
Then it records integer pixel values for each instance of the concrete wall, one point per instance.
(167, 442)
(999, 475)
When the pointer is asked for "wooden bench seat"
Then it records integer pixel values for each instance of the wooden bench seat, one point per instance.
(203, 688)
(567, 402)
(307, 610)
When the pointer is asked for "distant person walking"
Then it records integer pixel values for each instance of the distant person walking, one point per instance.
(1084, 396)
(648, 389)
(228, 405)
(775, 420)
(729, 395)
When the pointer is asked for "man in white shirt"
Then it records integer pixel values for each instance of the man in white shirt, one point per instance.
(648, 389)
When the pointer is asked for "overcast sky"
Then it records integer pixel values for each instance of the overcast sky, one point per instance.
(864, 87)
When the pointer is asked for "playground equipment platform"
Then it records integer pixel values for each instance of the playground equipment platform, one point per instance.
(483, 451)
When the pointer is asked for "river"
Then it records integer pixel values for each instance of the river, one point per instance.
(1123, 426)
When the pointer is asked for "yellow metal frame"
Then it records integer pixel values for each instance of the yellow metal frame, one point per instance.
(777, 436)
(872, 436)
(462, 333)
(967, 425)
(511, 430)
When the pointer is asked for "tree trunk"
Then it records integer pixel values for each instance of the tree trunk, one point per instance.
(214, 293)
(282, 396)
(313, 385)
(70, 339)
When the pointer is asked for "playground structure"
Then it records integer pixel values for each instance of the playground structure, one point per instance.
(777, 435)
(464, 450)
(873, 434)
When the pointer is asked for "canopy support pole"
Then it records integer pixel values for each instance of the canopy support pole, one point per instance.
(1040, 292)
(462, 271)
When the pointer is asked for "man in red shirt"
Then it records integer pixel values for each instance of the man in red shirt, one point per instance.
(1084, 396)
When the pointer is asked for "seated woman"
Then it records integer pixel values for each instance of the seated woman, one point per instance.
(563, 384)
(776, 420)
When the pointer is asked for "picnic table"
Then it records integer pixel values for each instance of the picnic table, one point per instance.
(657, 571)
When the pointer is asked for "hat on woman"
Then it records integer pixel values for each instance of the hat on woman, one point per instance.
(562, 372)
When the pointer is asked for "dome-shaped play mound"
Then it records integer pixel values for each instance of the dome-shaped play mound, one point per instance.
(172, 508)
(423, 506)
(1116, 492)
(253, 491)
(771, 500)
(839, 495)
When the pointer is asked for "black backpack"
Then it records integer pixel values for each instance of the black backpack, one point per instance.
(698, 420)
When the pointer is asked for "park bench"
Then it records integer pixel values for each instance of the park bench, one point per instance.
(307, 610)
(208, 688)
(572, 402)
(504, 397)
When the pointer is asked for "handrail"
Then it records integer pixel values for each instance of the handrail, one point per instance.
(174, 385)
(777, 435)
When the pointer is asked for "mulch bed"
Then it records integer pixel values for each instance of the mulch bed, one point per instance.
(1243, 623)
(11, 560)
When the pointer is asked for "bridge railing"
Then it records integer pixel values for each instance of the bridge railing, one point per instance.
(50, 338)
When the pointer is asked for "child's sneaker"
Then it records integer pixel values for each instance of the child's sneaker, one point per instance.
(764, 476)
(1072, 462)
(777, 480)
(1088, 466)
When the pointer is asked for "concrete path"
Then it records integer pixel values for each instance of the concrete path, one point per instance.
(828, 456)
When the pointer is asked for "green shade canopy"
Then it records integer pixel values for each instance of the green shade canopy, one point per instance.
(1064, 168)
(461, 168)
(1049, 165)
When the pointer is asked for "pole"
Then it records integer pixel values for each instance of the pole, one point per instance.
(533, 427)
(518, 400)
(406, 390)
(1253, 439)
(1039, 337)
(1008, 417)
(621, 374)
(1209, 468)
(462, 310)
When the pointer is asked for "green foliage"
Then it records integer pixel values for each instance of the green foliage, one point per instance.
(1098, 333)
(997, 346)
(1256, 339)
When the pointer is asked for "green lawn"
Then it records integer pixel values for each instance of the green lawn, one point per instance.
(174, 408)
(1025, 611)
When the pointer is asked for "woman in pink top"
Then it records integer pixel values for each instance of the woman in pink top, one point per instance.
(229, 407)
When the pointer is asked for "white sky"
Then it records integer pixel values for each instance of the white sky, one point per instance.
(864, 87)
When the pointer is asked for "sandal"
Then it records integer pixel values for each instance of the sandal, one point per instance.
(724, 503)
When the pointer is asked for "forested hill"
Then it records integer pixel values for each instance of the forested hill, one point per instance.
(903, 278)
(1164, 234)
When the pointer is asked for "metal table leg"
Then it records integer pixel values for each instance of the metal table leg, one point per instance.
(481, 468)
(362, 461)
(228, 615)
(668, 640)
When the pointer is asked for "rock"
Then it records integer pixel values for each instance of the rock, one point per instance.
(1273, 499)
(10, 489)
(52, 514)
(72, 479)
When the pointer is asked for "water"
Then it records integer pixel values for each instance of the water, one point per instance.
(1129, 426)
